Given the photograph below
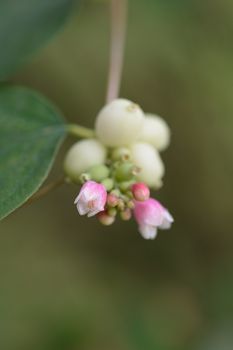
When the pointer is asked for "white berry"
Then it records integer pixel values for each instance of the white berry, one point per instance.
(119, 123)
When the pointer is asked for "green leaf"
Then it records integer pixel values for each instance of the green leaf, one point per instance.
(31, 130)
(24, 26)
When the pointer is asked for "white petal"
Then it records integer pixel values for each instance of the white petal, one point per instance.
(82, 208)
(167, 221)
(77, 198)
(148, 232)
(93, 212)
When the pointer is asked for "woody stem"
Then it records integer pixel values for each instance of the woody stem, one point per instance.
(117, 45)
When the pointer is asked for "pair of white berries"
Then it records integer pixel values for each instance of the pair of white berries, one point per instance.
(122, 123)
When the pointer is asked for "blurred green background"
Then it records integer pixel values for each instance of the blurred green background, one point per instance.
(68, 283)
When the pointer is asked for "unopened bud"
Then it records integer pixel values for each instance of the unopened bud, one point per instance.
(116, 192)
(121, 153)
(99, 172)
(140, 191)
(130, 204)
(105, 218)
(126, 185)
(121, 204)
(124, 172)
(126, 214)
(112, 200)
(108, 184)
(112, 211)
(129, 194)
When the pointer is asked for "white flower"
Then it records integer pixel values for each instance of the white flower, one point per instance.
(147, 158)
(119, 123)
(82, 156)
(155, 131)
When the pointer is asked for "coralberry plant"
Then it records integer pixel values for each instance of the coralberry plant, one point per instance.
(115, 165)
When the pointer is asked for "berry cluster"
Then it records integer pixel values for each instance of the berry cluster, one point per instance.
(117, 167)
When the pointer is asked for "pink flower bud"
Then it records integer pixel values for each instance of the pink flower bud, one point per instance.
(112, 200)
(140, 191)
(126, 214)
(151, 215)
(105, 218)
(91, 198)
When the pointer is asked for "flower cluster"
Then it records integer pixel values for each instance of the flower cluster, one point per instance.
(119, 165)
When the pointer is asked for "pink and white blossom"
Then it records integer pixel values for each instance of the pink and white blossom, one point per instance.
(151, 215)
(91, 198)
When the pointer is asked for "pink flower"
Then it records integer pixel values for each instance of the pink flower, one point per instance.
(91, 198)
(150, 215)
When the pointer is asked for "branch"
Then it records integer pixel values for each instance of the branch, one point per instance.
(44, 190)
(117, 45)
(80, 131)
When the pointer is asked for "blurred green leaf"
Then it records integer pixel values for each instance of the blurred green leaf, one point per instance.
(24, 26)
(31, 130)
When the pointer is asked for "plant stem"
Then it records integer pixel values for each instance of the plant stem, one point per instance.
(46, 189)
(117, 44)
(80, 131)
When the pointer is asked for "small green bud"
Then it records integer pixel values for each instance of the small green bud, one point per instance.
(124, 172)
(116, 192)
(126, 214)
(99, 172)
(130, 204)
(112, 200)
(121, 153)
(112, 212)
(129, 193)
(105, 218)
(126, 185)
(108, 184)
(121, 204)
